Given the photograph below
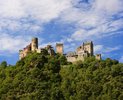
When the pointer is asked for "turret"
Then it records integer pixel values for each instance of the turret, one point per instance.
(34, 44)
(59, 48)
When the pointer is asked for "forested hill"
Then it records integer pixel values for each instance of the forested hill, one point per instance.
(39, 77)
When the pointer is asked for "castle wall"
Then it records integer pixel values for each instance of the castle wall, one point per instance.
(23, 53)
(80, 48)
(71, 59)
(80, 58)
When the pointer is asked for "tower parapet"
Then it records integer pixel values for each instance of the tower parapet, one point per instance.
(59, 48)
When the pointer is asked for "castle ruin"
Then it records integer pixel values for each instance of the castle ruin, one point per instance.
(33, 47)
(82, 52)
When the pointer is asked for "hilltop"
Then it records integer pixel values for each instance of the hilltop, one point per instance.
(45, 77)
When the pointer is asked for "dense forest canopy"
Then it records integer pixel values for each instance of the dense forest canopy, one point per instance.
(44, 77)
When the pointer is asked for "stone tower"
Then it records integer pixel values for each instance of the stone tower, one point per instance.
(88, 46)
(59, 48)
(98, 56)
(34, 44)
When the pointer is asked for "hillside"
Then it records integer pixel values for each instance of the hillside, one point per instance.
(44, 77)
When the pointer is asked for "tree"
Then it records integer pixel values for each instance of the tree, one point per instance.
(3, 64)
(44, 77)
(63, 60)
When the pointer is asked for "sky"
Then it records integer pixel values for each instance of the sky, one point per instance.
(71, 22)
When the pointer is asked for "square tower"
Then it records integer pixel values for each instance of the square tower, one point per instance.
(88, 46)
(59, 48)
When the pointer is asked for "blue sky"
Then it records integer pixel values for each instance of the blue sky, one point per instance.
(68, 21)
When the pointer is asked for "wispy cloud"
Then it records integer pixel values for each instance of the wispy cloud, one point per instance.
(104, 50)
(100, 18)
(12, 44)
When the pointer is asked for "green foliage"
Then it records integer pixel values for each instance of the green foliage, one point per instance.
(93, 80)
(44, 77)
(35, 77)
(63, 60)
(3, 64)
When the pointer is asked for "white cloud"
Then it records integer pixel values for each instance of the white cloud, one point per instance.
(108, 6)
(45, 10)
(79, 35)
(20, 17)
(91, 20)
(111, 49)
(10, 44)
(104, 50)
(29, 15)
(96, 20)
(84, 15)
(98, 48)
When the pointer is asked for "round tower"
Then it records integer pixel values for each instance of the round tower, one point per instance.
(34, 44)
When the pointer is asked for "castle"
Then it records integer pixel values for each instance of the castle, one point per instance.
(83, 51)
